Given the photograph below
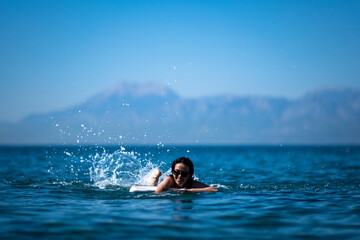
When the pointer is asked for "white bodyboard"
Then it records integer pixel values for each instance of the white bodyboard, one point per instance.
(147, 188)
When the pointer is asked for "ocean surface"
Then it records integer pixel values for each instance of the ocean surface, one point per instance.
(264, 193)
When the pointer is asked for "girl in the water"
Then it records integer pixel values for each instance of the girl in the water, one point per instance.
(182, 171)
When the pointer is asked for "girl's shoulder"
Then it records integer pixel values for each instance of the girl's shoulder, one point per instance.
(169, 179)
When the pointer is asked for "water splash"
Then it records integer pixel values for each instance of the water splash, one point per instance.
(120, 168)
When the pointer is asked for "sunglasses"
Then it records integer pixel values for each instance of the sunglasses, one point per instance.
(177, 173)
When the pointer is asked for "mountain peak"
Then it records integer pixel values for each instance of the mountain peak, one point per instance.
(139, 90)
(126, 93)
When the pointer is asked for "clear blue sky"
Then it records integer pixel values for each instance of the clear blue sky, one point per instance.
(54, 54)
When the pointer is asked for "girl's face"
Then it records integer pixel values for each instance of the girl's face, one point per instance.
(181, 174)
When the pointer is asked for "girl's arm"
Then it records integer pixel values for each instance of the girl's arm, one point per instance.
(201, 187)
(165, 185)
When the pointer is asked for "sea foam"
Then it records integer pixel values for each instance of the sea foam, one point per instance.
(120, 168)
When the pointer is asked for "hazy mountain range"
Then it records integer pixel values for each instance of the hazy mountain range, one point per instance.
(153, 114)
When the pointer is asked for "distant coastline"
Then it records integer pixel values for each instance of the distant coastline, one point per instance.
(151, 114)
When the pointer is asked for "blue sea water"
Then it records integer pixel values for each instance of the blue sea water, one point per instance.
(264, 193)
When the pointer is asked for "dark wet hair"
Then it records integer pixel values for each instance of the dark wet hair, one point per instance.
(186, 161)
